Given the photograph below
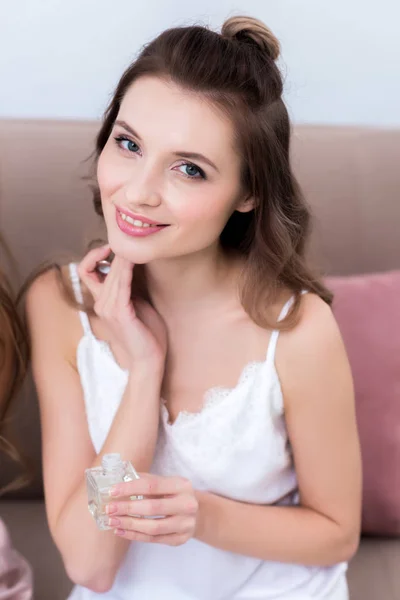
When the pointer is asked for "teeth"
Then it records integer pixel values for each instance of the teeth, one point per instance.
(134, 222)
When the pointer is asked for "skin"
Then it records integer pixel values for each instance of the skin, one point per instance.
(193, 287)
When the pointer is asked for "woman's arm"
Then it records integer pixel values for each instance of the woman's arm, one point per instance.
(91, 557)
(320, 415)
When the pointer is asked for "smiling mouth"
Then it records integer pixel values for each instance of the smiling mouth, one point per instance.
(133, 226)
(138, 222)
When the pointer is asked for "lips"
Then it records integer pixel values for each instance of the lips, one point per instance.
(135, 225)
(136, 222)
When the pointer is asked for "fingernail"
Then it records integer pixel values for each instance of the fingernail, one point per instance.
(111, 508)
(119, 532)
(114, 522)
(114, 492)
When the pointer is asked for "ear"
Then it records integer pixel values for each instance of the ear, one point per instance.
(246, 204)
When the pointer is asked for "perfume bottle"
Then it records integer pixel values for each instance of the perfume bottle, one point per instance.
(99, 480)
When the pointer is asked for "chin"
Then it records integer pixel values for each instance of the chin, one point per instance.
(134, 251)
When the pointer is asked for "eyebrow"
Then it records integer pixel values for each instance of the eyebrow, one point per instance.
(183, 153)
(125, 125)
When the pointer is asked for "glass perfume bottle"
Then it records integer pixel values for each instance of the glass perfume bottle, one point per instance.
(99, 480)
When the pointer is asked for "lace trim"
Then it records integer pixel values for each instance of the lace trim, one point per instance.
(213, 396)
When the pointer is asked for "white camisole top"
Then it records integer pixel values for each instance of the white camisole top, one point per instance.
(237, 447)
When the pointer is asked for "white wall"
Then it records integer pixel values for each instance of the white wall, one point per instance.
(62, 58)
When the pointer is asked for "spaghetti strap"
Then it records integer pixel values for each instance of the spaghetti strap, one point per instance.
(275, 334)
(76, 286)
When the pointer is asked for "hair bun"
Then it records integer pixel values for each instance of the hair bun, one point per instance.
(240, 28)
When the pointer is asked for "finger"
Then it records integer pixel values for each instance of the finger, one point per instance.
(115, 295)
(87, 269)
(124, 273)
(168, 540)
(88, 263)
(151, 485)
(119, 266)
(110, 286)
(153, 527)
(184, 504)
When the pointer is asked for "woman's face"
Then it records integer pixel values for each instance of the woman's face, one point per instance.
(169, 175)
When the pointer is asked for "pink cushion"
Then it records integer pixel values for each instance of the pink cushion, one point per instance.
(367, 308)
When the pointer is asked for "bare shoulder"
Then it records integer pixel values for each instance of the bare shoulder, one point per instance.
(46, 297)
(49, 312)
(312, 355)
(316, 325)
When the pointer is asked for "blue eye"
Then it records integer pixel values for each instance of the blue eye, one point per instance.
(191, 171)
(127, 144)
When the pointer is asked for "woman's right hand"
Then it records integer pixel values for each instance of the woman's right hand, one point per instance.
(135, 326)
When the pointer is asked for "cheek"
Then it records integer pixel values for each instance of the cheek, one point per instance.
(210, 207)
(110, 174)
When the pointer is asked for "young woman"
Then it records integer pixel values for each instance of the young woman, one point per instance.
(15, 574)
(208, 356)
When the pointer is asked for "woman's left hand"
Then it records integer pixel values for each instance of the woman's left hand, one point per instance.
(171, 499)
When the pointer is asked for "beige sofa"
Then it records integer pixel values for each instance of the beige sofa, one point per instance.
(352, 180)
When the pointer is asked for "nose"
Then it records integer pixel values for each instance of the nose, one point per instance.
(142, 191)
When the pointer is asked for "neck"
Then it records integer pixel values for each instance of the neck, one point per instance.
(181, 285)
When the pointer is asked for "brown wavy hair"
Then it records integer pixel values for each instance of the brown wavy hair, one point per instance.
(236, 70)
(14, 353)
